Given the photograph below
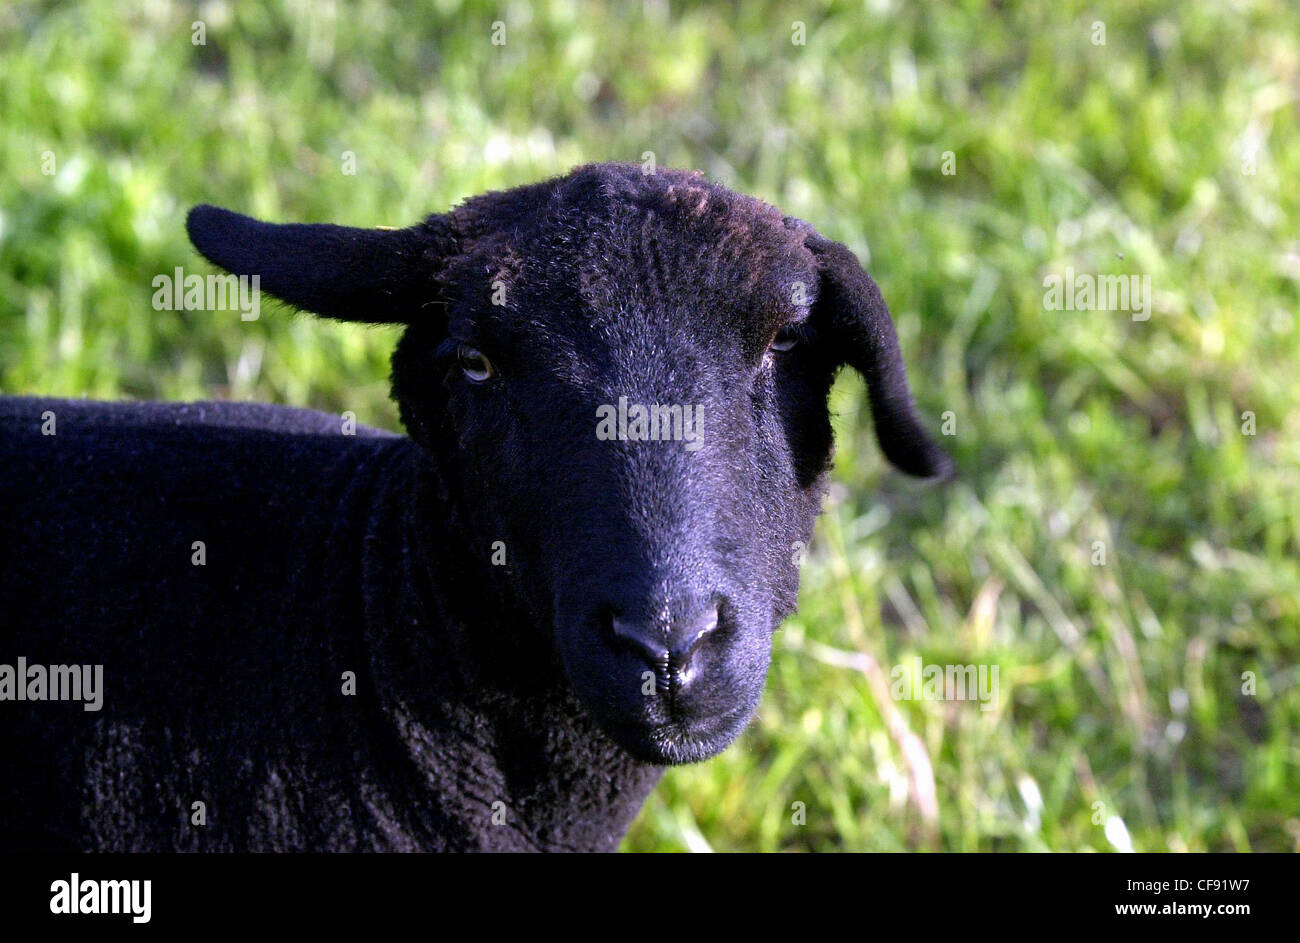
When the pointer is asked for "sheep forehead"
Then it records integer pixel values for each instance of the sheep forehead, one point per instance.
(612, 248)
(686, 255)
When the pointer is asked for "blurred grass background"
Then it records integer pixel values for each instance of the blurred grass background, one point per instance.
(1122, 718)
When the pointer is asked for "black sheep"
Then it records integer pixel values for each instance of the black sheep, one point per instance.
(492, 634)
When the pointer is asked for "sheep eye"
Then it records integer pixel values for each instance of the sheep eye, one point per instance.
(786, 338)
(473, 364)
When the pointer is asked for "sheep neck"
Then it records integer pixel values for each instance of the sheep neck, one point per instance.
(496, 750)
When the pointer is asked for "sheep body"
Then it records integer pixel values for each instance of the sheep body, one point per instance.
(223, 682)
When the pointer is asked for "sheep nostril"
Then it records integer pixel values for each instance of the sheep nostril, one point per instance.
(646, 640)
(702, 626)
(662, 646)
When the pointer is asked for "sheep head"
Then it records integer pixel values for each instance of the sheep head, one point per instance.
(625, 378)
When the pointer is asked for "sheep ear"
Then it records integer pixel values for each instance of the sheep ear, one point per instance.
(374, 275)
(861, 325)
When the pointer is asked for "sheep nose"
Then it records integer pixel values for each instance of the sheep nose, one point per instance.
(669, 646)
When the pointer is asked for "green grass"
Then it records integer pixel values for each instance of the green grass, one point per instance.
(1120, 684)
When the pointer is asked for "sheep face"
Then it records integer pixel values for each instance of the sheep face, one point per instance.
(623, 379)
(641, 423)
